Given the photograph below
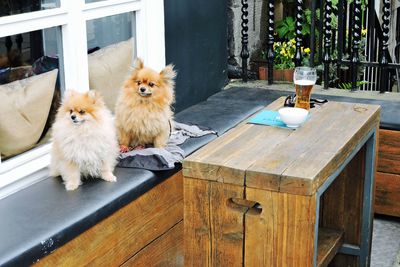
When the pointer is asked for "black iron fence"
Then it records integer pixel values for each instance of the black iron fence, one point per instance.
(350, 41)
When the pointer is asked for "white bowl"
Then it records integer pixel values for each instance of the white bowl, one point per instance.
(293, 117)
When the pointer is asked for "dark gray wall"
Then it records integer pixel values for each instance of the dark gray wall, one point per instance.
(196, 42)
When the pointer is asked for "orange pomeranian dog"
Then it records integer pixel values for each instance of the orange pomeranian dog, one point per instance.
(143, 111)
(84, 140)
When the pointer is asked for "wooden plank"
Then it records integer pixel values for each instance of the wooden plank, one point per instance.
(260, 245)
(387, 194)
(226, 225)
(332, 211)
(325, 162)
(283, 234)
(165, 251)
(213, 226)
(389, 151)
(313, 152)
(227, 158)
(115, 239)
(346, 214)
(329, 243)
(197, 226)
(269, 168)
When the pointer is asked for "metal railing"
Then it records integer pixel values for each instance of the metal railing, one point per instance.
(357, 49)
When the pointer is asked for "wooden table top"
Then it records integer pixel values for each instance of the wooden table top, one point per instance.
(292, 161)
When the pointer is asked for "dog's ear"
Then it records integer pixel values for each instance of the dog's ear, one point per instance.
(138, 64)
(69, 93)
(95, 97)
(168, 75)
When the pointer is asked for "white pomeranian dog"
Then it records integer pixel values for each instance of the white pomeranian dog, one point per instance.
(84, 140)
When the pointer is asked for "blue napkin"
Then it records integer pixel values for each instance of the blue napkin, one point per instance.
(268, 117)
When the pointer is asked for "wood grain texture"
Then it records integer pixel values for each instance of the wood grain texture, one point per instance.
(281, 170)
(115, 239)
(165, 251)
(389, 151)
(329, 243)
(387, 194)
(296, 162)
(197, 225)
(213, 227)
(226, 158)
(313, 152)
(283, 234)
(226, 225)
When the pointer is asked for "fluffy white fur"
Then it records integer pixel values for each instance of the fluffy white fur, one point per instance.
(87, 147)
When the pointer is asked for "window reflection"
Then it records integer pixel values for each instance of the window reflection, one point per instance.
(30, 89)
(111, 44)
(13, 7)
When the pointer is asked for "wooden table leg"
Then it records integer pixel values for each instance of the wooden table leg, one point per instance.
(283, 234)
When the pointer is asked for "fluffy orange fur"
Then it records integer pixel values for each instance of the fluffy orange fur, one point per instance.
(143, 110)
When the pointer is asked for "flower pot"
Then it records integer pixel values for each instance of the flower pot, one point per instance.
(262, 73)
(279, 74)
(283, 75)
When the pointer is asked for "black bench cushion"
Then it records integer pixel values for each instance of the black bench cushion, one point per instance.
(390, 118)
(218, 115)
(43, 217)
(254, 95)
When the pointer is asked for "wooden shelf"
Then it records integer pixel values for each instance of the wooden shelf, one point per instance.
(329, 243)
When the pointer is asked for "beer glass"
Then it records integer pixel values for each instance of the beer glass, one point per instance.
(304, 79)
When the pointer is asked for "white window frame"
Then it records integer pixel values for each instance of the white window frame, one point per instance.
(30, 167)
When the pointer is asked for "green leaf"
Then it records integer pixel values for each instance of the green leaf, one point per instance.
(282, 32)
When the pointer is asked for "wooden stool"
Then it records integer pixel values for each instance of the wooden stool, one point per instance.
(268, 196)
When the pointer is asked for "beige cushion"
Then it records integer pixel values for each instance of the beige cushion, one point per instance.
(25, 105)
(108, 69)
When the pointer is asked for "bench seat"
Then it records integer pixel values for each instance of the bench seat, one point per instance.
(41, 218)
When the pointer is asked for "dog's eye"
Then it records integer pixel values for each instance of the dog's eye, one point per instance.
(81, 112)
(151, 84)
(139, 82)
(70, 111)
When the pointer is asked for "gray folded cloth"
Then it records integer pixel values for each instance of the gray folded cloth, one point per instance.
(157, 159)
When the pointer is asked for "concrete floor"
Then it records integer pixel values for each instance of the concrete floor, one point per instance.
(386, 242)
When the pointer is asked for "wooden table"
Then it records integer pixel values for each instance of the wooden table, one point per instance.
(268, 196)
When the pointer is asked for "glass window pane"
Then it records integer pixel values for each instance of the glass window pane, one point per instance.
(13, 7)
(111, 44)
(30, 89)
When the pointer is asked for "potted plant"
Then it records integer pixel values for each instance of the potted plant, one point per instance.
(283, 61)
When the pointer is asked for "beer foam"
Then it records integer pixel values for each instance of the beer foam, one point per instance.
(304, 82)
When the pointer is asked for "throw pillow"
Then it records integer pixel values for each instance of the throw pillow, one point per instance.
(108, 69)
(25, 105)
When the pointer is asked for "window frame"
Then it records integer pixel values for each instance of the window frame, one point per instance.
(30, 167)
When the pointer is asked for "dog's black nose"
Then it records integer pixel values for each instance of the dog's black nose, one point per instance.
(142, 89)
(73, 117)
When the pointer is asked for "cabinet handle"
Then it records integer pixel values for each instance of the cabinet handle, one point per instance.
(244, 205)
